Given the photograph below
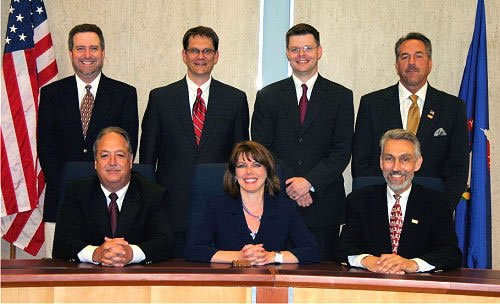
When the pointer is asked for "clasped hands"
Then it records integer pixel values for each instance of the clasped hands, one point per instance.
(297, 188)
(257, 254)
(389, 263)
(113, 253)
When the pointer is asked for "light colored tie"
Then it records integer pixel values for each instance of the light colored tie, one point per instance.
(86, 109)
(413, 115)
(199, 110)
(396, 224)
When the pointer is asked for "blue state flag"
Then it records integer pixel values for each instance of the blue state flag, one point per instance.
(473, 213)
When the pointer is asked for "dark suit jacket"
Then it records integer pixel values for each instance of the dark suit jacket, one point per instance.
(84, 219)
(60, 136)
(319, 150)
(224, 225)
(428, 230)
(444, 157)
(168, 141)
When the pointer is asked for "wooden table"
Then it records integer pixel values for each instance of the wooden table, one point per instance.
(180, 281)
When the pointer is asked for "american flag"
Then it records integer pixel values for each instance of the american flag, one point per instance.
(28, 64)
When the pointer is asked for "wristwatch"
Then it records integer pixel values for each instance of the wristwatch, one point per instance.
(278, 257)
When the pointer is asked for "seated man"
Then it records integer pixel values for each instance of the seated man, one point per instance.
(116, 218)
(399, 227)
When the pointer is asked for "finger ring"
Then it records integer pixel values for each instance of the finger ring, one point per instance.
(293, 196)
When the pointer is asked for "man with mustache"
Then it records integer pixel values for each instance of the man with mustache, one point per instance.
(399, 227)
(437, 118)
(117, 217)
(72, 112)
(195, 120)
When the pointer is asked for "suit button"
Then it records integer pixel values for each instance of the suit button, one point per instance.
(300, 162)
(300, 140)
(84, 150)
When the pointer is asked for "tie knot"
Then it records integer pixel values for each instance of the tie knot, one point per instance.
(414, 99)
(397, 197)
(304, 88)
(199, 92)
(88, 87)
(113, 196)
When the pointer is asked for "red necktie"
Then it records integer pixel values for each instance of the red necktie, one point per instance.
(303, 104)
(396, 224)
(86, 109)
(199, 110)
(113, 212)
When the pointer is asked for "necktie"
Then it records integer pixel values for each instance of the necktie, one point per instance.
(199, 110)
(86, 109)
(113, 212)
(413, 115)
(303, 104)
(396, 224)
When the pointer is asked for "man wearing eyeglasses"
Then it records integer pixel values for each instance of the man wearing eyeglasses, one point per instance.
(307, 122)
(194, 120)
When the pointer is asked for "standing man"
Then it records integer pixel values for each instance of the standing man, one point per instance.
(399, 227)
(438, 119)
(72, 112)
(194, 120)
(307, 123)
(117, 217)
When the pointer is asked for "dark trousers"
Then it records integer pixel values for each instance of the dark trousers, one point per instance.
(327, 238)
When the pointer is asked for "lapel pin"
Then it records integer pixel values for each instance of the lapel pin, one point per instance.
(414, 221)
(431, 114)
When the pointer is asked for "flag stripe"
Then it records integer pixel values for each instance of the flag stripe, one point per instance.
(8, 192)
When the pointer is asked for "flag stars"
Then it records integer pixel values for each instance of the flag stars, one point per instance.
(39, 10)
(7, 40)
(22, 37)
(11, 10)
(13, 28)
(19, 18)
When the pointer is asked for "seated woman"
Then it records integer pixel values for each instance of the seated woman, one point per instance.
(252, 222)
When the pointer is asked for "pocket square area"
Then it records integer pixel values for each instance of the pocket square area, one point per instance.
(440, 132)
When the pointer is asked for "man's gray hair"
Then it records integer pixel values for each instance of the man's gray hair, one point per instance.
(117, 130)
(400, 134)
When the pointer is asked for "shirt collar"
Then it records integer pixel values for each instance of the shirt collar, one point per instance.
(404, 94)
(309, 83)
(94, 84)
(194, 87)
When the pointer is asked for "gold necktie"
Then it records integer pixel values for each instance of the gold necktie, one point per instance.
(413, 115)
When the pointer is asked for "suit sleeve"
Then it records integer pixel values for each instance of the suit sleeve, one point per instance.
(444, 252)
(361, 164)
(158, 242)
(330, 168)
(242, 120)
(130, 117)
(263, 122)
(304, 245)
(70, 229)
(150, 136)
(456, 168)
(46, 144)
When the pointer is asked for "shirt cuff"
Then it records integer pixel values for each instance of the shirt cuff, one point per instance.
(85, 255)
(355, 260)
(423, 266)
(137, 254)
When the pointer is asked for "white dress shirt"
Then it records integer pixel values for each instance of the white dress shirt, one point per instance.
(405, 101)
(193, 91)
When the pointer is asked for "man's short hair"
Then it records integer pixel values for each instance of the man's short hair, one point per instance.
(202, 31)
(85, 28)
(117, 130)
(414, 36)
(400, 134)
(302, 29)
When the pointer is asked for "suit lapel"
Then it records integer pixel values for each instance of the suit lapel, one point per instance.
(390, 109)
(102, 102)
(181, 102)
(430, 114)
(213, 108)
(268, 220)
(71, 105)
(289, 99)
(130, 209)
(413, 215)
(99, 209)
(237, 220)
(318, 98)
(380, 219)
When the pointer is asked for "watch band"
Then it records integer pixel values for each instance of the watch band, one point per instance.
(278, 257)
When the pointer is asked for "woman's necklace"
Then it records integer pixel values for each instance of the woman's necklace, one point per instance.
(250, 213)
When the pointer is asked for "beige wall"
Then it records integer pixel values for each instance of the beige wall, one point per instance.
(143, 45)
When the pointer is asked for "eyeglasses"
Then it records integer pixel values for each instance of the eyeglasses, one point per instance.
(306, 49)
(198, 51)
